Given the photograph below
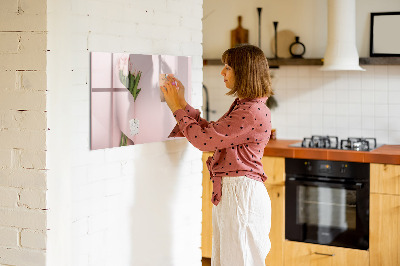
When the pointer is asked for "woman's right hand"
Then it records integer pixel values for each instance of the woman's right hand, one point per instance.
(181, 91)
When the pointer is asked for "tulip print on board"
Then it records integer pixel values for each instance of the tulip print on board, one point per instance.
(126, 101)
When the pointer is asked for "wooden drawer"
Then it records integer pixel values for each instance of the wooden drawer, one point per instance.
(385, 178)
(304, 254)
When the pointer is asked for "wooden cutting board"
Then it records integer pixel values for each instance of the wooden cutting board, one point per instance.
(239, 35)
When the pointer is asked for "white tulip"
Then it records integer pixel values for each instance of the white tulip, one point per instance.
(134, 126)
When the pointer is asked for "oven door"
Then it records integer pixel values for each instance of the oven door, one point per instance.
(327, 213)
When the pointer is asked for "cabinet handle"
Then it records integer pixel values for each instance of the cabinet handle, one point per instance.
(324, 254)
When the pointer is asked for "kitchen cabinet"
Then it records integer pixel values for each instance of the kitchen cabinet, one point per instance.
(384, 221)
(385, 215)
(385, 178)
(206, 225)
(277, 233)
(305, 254)
(385, 230)
(384, 245)
(274, 168)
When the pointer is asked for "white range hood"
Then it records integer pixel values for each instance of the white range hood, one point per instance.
(341, 51)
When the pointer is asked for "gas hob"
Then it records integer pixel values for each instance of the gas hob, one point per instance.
(332, 142)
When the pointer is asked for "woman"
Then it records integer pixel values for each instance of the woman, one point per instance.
(242, 208)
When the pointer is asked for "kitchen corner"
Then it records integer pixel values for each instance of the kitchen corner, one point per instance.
(381, 194)
(330, 206)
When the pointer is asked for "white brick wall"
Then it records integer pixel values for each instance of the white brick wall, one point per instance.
(23, 126)
(108, 207)
(136, 205)
(34, 239)
(11, 256)
(8, 197)
(9, 237)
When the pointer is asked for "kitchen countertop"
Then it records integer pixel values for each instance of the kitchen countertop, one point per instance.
(389, 154)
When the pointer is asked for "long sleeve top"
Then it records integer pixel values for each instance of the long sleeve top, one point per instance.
(238, 139)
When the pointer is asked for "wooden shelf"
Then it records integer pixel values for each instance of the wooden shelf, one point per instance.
(295, 62)
(212, 62)
(273, 63)
(380, 61)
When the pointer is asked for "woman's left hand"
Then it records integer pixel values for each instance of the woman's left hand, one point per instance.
(170, 90)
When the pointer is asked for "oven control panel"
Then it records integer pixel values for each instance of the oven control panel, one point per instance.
(325, 167)
(337, 169)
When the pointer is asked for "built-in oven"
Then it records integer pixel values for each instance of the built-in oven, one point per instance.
(327, 202)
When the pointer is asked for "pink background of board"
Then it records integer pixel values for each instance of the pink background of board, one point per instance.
(112, 105)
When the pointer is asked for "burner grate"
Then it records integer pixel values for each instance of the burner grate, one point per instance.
(358, 144)
(332, 142)
(327, 142)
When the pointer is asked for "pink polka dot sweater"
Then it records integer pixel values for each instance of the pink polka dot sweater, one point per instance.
(238, 139)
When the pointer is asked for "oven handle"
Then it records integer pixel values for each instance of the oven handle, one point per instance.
(357, 185)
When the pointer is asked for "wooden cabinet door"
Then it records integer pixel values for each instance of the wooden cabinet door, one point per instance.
(206, 226)
(304, 254)
(274, 168)
(384, 236)
(277, 233)
(385, 178)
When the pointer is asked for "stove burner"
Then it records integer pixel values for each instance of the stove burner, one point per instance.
(328, 142)
(358, 144)
(332, 142)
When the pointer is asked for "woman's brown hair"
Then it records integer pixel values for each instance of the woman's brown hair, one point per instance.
(250, 66)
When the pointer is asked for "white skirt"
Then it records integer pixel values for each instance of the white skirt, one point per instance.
(241, 223)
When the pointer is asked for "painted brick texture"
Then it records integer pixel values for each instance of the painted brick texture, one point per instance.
(136, 205)
(9, 237)
(23, 126)
(33, 239)
(108, 207)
